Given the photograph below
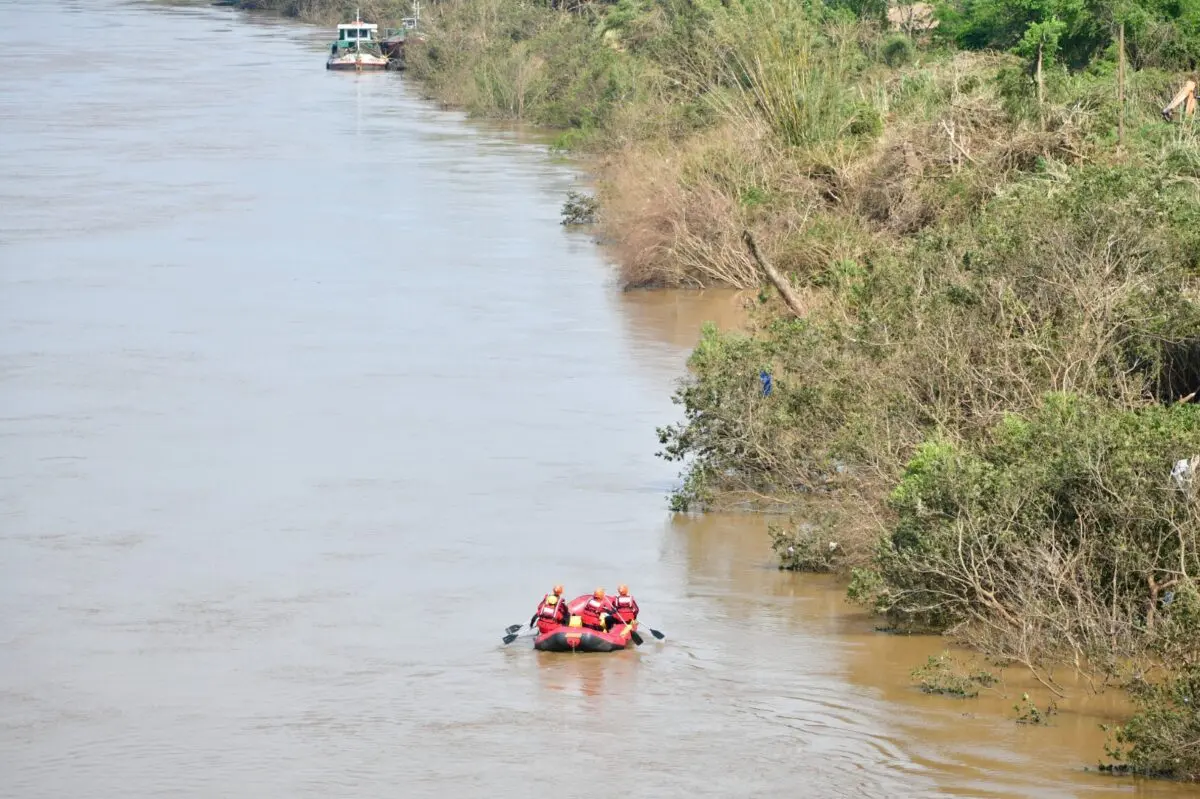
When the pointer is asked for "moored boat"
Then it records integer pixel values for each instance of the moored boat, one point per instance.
(574, 637)
(395, 40)
(356, 48)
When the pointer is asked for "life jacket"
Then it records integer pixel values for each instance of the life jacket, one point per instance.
(553, 611)
(591, 611)
(625, 607)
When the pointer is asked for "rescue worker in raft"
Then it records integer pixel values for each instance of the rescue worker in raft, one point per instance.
(551, 611)
(624, 607)
(595, 612)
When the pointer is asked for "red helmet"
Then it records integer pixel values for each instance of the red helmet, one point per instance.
(623, 589)
(598, 593)
(558, 589)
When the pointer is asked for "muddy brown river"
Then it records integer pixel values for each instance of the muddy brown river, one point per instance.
(305, 395)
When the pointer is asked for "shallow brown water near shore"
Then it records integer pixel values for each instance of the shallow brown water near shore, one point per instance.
(305, 395)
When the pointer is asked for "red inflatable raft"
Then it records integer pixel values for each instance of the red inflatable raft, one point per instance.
(577, 638)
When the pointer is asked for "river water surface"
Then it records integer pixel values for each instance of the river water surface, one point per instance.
(305, 395)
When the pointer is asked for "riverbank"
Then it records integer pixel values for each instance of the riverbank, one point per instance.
(985, 371)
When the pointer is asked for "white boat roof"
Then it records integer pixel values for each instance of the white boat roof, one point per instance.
(354, 25)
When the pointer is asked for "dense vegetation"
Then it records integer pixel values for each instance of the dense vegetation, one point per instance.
(980, 406)
(330, 11)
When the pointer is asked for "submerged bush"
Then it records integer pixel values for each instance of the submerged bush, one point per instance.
(1162, 739)
(944, 675)
(579, 209)
(807, 546)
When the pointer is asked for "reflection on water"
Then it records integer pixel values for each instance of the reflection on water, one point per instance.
(676, 317)
(593, 678)
(305, 394)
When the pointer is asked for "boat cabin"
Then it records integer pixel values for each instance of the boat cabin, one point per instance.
(352, 33)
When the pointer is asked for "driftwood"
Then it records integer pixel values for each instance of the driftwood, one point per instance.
(777, 280)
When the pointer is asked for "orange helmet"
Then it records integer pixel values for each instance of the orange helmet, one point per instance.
(598, 593)
(623, 589)
(558, 589)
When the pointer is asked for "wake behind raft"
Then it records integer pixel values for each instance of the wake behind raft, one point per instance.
(574, 637)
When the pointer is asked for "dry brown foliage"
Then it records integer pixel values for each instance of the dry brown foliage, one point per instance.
(675, 215)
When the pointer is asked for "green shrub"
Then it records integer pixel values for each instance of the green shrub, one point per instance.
(1062, 525)
(898, 51)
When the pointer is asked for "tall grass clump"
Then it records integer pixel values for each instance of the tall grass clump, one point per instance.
(778, 66)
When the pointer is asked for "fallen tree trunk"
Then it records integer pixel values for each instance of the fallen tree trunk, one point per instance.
(780, 283)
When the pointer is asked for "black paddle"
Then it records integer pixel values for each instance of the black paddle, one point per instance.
(513, 630)
(653, 631)
(508, 639)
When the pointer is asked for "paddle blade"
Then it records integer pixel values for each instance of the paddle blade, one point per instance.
(512, 628)
(508, 639)
(656, 633)
(637, 639)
